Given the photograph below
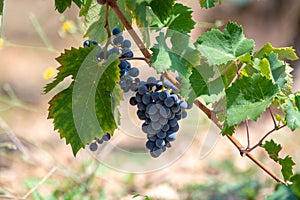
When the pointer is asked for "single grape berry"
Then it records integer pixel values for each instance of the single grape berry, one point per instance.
(115, 31)
(95, 43)
(126, 44)
(87, 43)
(106, 137)
(134, 72)
(93, 146)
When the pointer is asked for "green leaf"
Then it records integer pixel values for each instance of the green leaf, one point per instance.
(297, 100)
(273, 149)
(283, 192)
(264, 66)
(283, 53)
(79, 3)
(227, 130)
(296, 184)
(162, 9)
(208, 3)
(144, 17)
(62, 5)
(1, 7)
(206, 83)
(61, 111)
(85, 109)
(70, 62)
(181, 19)
(292, 116)
(278, 69)
(178, 58)
(286, 167)
(85, 8)
(95, 20)
(220, 48)
(248, 98)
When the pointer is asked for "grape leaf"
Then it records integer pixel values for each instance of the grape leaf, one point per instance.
(277, 69)
(227, 130)
(60, 110)
(79, 3)
(248, 98)
(181, 19)
(85, 8)
(273, 149)
(62, 5)
(162, 9)
(283, 53)
(70, 62)
(95, 20)
(220, 48)
(208, 3)
(85, 109)
(297, 100)
(144, 17)
(264, 66)
(282, 192)
(206, 83)
(292, 116)
(286, 167)
(286, 163)
(296, 184)
(175, 59)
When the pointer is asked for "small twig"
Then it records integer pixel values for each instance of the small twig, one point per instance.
(40, 183)
(106, 26)
(138, 58)
(248, 135)
(273, 118)
(260, 142)
(238, 73)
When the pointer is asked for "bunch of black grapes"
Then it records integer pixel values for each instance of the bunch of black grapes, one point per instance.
(160, 110)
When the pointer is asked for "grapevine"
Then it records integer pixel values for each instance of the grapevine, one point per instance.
(252, 82)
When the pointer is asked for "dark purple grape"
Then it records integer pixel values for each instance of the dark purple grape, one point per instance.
(115, 31)
(87, 43)
(133, 101)
(93, 146)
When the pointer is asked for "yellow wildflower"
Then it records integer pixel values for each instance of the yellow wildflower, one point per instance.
(1, 43)
(49, 73)
(69, 26)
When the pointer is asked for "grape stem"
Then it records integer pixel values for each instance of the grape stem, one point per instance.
(210, 114)
(138, 58)
(238, 72)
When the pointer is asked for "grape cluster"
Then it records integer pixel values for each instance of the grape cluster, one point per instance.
(97, 141)
(160, 110)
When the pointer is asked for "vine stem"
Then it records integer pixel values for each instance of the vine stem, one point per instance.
(210, 114)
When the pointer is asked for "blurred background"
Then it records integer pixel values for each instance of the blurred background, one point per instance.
(32, 154)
